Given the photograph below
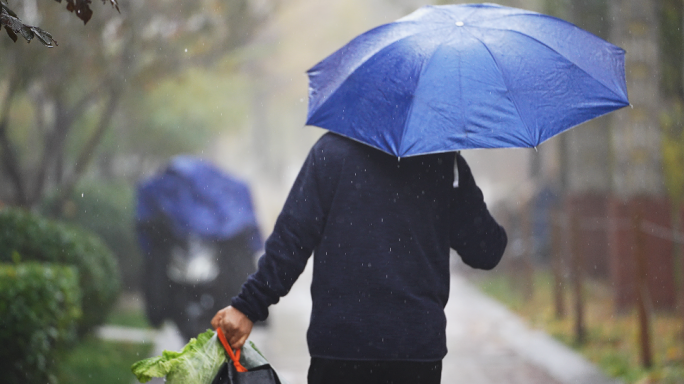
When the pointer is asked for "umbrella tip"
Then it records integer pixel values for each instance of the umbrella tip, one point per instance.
(536, 149)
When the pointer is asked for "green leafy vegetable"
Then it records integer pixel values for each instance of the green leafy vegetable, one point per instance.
(197, 363)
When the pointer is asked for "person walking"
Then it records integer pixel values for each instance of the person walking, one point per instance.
(380, 229)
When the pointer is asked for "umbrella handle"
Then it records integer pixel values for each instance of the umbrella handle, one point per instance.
(235, 357)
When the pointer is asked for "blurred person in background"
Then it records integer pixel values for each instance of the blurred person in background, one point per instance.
(198, 231)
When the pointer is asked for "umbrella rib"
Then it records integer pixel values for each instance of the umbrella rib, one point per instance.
(423, 67)
(559, 54)
(503, 78)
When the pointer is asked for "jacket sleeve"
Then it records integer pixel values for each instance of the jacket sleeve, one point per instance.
(296, 233)
(474, 234)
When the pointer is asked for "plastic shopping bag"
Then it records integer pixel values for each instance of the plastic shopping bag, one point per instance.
(256, 369)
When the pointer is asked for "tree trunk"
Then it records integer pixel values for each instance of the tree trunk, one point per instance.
(557, 229)
(88, 151)
(10, 161)
(528, 268)
(577, 279)
(53, 146)
(641, 289)
(677, 265)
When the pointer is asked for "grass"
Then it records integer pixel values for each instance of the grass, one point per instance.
(101, 362)
(611, 340)
(129, 312)
(134, 318)
(107, 362)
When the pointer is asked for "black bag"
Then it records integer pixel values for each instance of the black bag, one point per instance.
(232, 372)
(259, 375)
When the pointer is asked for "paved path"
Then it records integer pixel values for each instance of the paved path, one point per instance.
(487, 343)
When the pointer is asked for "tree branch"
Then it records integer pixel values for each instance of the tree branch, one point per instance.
(54, 141)
(14, 26)
(88, 151)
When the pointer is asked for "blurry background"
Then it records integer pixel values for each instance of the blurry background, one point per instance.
(594, 215)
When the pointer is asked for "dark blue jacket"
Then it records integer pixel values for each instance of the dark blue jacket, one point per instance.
(380, 230)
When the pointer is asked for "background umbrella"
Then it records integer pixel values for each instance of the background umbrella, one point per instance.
(197, 198)
(455, 77)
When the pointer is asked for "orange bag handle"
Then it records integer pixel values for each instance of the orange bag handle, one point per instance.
(233, 356)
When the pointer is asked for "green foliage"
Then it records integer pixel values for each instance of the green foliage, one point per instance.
(97, 81)
(182, 114)
(101, 362)
(107, 209)
(38, 239)
(39, 306)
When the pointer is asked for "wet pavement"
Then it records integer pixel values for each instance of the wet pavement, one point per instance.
(487, 343)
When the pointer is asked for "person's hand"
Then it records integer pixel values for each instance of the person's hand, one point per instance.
(235, 325)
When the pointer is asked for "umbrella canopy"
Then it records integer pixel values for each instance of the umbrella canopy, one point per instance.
(196, 198)
(453, 77)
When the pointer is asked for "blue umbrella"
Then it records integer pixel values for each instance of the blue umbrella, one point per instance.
(196, 198)
(453, 77)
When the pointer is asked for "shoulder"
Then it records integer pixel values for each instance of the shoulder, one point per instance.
(332, 148)
(334, 143)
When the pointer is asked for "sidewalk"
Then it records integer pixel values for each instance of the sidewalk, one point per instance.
(487, 343)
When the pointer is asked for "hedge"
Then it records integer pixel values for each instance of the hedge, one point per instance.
(39, 307)
(37, 239)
